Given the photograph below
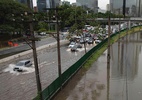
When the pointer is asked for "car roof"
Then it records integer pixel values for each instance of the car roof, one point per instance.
(24, 60)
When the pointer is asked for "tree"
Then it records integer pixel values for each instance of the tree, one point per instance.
(9, 7)
(42, 26)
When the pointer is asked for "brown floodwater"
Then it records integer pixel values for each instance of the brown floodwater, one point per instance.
(125, 78)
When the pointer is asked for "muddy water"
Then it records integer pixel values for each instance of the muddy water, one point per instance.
(125, 75)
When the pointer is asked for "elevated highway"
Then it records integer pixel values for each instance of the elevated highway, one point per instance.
(133, 19)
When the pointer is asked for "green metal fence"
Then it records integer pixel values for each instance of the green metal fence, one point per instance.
(55, 86)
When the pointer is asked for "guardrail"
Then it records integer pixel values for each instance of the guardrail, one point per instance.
(55, 86)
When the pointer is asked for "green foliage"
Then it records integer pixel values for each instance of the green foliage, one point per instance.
(6, 28)
(9, 7)
(72, 16)
(42, 25)
(42, 30)
(69, 16)
(73, 28)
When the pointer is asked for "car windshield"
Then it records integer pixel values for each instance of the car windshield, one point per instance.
(20, 64)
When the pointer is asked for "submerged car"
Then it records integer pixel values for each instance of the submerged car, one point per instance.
(42, 33)
(72, 44)
(74, 48)
(97, 41)
(90, 41)
(21, 64)
(82, 41)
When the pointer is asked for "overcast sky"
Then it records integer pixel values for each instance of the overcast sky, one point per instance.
(101, 3)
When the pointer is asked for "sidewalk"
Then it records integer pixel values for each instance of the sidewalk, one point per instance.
(54, 44)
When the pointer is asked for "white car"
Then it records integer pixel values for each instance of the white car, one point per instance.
(72, 44)
(97, 41)
(42, 33)
(74, 48)
(21, 64)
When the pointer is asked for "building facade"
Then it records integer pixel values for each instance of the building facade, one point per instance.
(92, 4)
(66, 2)
(108, 7)
(74, 4)
(26, 3)
(41, 4)
(133, 7)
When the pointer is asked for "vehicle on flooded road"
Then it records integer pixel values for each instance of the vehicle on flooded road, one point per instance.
(74, 48)
(21, 65)
(90, 41)
(97, 41)
(72, 44)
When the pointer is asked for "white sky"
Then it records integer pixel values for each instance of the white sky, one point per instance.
(101, 3)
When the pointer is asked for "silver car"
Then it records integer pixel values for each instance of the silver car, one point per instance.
(72, 44)
(21, 64)
(74, 48)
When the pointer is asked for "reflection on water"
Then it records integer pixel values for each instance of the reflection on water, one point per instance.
(128, 57)
(125, 75)
(125, 69)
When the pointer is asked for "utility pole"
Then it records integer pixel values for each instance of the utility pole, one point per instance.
(39, 89)
(58, 45)
(58, 37)
(108, 58)
(119, 42)
(124, 7)
(109, 32)
(84, 42)
(82, 31)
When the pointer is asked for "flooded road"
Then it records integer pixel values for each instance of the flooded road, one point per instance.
(22, 85)
(125, 75)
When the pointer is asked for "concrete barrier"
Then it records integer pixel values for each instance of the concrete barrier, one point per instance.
(54, 44)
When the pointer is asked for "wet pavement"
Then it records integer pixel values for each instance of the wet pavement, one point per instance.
(5, 52)
(87, 84)
(22, 85)
(125, 78)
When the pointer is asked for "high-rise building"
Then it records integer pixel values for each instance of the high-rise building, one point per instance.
(133, 7)
(108, 7)
(41, 4)
(73, 4)
(66, 2)
(26, 2)
(139, 8)
(92, 4)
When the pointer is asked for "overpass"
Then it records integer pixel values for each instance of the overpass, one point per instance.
(133, 19)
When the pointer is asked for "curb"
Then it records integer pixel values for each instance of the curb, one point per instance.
(62, 42)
